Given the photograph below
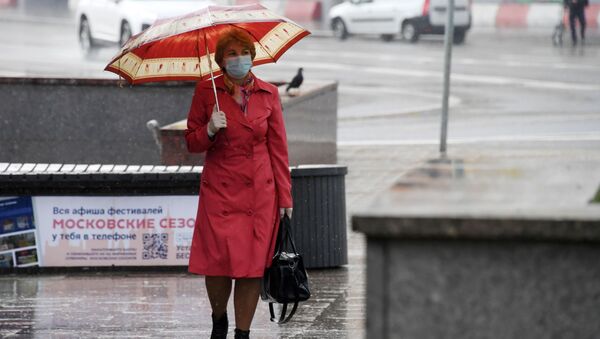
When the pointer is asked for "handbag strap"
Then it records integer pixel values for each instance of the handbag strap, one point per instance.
(285, 236)
(282, 318)
(281, 236)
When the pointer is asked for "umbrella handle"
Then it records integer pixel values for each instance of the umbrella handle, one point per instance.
(212, 78)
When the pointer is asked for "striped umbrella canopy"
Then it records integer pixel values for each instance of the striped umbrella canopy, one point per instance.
(183, 48)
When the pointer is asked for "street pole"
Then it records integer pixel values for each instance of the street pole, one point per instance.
(448, 39)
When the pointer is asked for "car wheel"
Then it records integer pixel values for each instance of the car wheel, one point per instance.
(86, 41)
(339, 29)
(409, 32)
(459, 37)
(125, 33)
(387, 37)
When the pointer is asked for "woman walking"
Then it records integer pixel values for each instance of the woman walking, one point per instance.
(246, 185)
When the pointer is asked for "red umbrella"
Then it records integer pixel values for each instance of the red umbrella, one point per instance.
(182, 48)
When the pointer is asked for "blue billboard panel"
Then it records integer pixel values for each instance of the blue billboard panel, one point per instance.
(17, 233)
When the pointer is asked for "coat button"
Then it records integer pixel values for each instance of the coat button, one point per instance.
(249, 183)
(248, 155)
(250, 212)
(269, 181)
(225, 213)
(224, 184)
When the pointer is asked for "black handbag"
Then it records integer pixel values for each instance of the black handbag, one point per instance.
(286, 281)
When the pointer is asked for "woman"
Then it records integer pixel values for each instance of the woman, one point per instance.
(246, 185)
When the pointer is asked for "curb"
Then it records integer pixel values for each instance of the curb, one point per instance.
(536, 19)
(37, 20)
(320, 33)
(509, 15)
(515, 15)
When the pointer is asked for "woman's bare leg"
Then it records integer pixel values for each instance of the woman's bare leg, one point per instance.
(245, 298)
(219, 290)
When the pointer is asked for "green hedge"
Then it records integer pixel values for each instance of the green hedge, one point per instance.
(596, 199)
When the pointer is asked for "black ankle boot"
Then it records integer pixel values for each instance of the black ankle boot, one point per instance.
(239, 334)
(220, 327)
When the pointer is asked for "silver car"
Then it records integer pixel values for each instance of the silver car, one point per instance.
(408, 18)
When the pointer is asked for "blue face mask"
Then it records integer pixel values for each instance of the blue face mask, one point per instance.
(238, 67)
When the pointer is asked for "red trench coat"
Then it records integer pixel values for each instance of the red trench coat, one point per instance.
(245, 180)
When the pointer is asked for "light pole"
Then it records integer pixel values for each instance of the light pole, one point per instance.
(448, 40)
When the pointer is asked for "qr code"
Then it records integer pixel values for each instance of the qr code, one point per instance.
(155, 246)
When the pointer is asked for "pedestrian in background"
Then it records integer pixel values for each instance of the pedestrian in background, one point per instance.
(577, 12)
(246, 184)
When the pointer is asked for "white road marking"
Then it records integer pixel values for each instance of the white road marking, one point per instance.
(457, 141)
(394, 102)
(371, 57)
(470, 78)
(387, 90)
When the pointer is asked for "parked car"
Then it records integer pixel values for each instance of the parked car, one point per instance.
(115, 21)
(388, 18)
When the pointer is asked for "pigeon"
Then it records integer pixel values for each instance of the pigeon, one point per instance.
(296, 81)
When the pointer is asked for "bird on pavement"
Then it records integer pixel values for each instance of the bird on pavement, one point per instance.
(296, 81)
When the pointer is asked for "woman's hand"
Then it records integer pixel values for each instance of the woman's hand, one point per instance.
(286, 211)
(217, 121)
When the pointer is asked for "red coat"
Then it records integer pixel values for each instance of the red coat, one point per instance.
(245, 180)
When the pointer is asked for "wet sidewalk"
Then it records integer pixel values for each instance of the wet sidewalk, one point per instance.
(173, 304)
(162, 305)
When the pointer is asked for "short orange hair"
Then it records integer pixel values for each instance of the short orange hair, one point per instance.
(234, 35)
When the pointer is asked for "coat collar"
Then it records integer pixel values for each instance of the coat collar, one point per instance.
(258, 84)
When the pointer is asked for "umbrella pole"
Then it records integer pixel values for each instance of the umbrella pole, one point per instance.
(212, 78)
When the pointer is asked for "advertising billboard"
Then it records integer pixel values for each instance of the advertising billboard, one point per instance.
(119, 231)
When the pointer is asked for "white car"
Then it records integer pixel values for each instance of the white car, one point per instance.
(115, 21)
(409, 18)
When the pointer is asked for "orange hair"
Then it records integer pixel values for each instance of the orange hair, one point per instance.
(234, 35)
